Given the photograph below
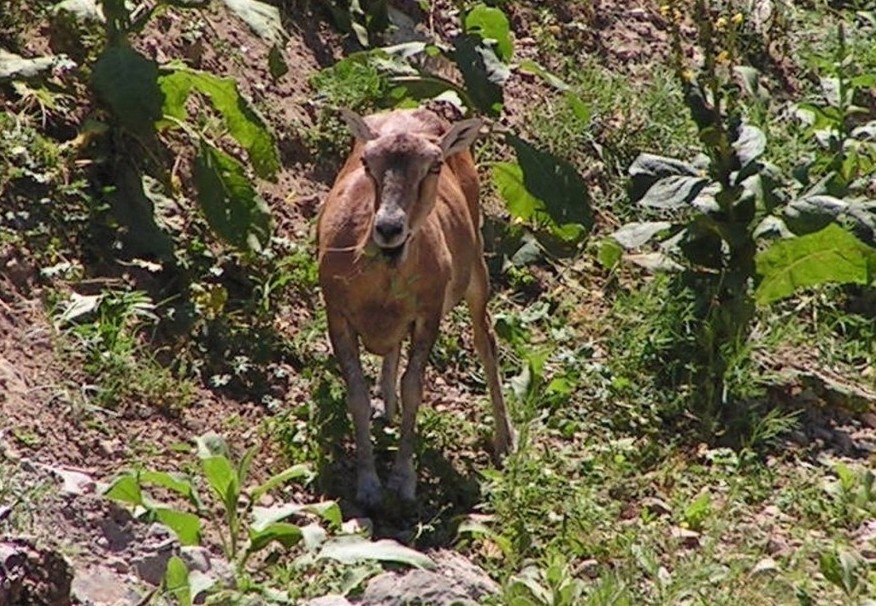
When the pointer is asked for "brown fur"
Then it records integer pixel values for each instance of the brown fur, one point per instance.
(380, 301)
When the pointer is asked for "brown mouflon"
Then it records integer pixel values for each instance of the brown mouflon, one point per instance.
(399, 246)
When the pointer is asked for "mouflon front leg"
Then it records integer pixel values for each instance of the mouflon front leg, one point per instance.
(345, 343)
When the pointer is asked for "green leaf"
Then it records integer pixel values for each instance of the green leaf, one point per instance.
(187, 526)
(840, 568)
(484, 74)
(656, 167)
(647, 169)
(125, 489)
(230, 203)
(290, 473)
(815, 211)
(211, 444)
(263, 18)
(831, 255)
(329, 511)
(245, 464)
(262, 517)
(127, 82)
(265, 516)
(176, 581)
(528, 252)
(771, 226)
(276, 62)
(750, 144)
(609, 253)
(582, 110)
(351, 549)
(284, 533)
(674, 192)
(491, 24)
(313, 536)
(749, 77)
(529, 66)
(242, 122)
(222, 478)
(544, 189)
(477, 528)
(354, 576)
(134, 206)
(176, 482)
(698, 511)
(633, 235)
(201, 582)
(428, 87)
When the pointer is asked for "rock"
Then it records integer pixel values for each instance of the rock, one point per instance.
(689, 538)
(100, 586)
(778, 546)
(362, 526)
(118, 565)
(657, 506)
(195, 557)
(31, 575)
(765, 565)
(152, 566)
(455, 581)
(75, 482)
(210, 565)
(159, 532)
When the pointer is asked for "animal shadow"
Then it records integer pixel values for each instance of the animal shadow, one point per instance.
(447, 488)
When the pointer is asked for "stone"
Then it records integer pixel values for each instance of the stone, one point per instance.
(100, 586)
(152, 566)
(75, 482)
(454, 582)
(32, 575)
(195, 557)
(362, 526)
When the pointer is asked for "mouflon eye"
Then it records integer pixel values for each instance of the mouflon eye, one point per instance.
(435, 169)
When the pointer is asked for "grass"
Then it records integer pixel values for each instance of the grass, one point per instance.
(651, 118)
(24, 495)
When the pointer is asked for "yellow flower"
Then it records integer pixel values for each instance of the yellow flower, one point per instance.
(737, 18)
(723, 58)
(664, 10)
(721, 23)
(688, 75)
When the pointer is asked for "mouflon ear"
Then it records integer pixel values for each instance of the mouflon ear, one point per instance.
(460, 136)
(357, 125)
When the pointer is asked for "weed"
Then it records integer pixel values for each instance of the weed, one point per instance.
(22, 497)
(245, 528)
(107, 331)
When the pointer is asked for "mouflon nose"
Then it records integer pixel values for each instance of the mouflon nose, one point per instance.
(389, 231)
